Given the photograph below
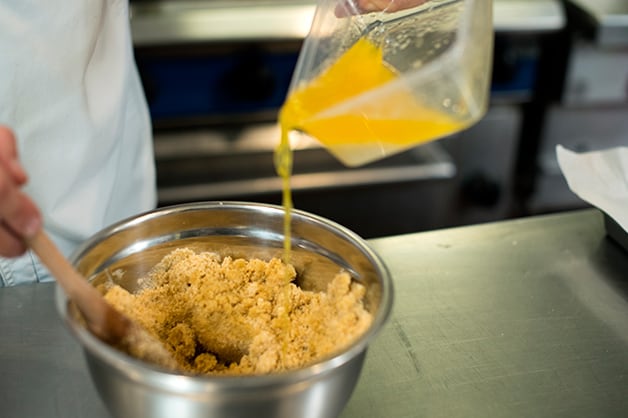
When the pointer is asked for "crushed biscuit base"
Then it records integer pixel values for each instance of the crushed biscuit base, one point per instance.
(238, 316)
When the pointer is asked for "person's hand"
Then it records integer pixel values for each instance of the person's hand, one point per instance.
(19, 217)
(351, 7)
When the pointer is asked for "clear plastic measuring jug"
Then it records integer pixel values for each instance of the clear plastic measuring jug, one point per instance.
(368, 85)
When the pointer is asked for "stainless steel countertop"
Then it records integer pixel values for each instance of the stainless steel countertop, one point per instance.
(166, 22)
(523, 318)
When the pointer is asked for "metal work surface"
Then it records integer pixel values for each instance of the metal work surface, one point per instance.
(525, 318)
(517, 318)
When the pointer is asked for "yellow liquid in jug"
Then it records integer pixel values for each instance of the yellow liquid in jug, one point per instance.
(394, 121)
(395, 118)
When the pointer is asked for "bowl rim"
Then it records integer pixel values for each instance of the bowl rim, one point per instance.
(154, 375)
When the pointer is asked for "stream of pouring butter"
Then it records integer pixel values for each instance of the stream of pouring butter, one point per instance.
(283, 166)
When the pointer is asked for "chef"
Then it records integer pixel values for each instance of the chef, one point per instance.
(74, 110)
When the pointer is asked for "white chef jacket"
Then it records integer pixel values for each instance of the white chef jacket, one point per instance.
(70, 91)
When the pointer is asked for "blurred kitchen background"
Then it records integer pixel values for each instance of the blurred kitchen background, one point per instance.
(216, 72)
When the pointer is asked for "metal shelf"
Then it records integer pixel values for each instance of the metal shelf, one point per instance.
(168, 22)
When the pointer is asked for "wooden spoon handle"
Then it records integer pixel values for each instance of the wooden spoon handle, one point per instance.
(102, 319)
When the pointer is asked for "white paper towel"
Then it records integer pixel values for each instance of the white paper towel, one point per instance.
(599, 178)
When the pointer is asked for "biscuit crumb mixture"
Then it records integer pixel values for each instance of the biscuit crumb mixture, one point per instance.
(238, 316)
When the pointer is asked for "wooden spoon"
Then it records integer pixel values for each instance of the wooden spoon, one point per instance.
(103, 320)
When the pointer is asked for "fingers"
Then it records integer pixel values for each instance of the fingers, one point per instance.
(19, 216)
(8, 156)
(10, 244)
(352, 7)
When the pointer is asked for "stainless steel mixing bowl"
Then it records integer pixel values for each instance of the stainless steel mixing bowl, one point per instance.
(131, 388)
